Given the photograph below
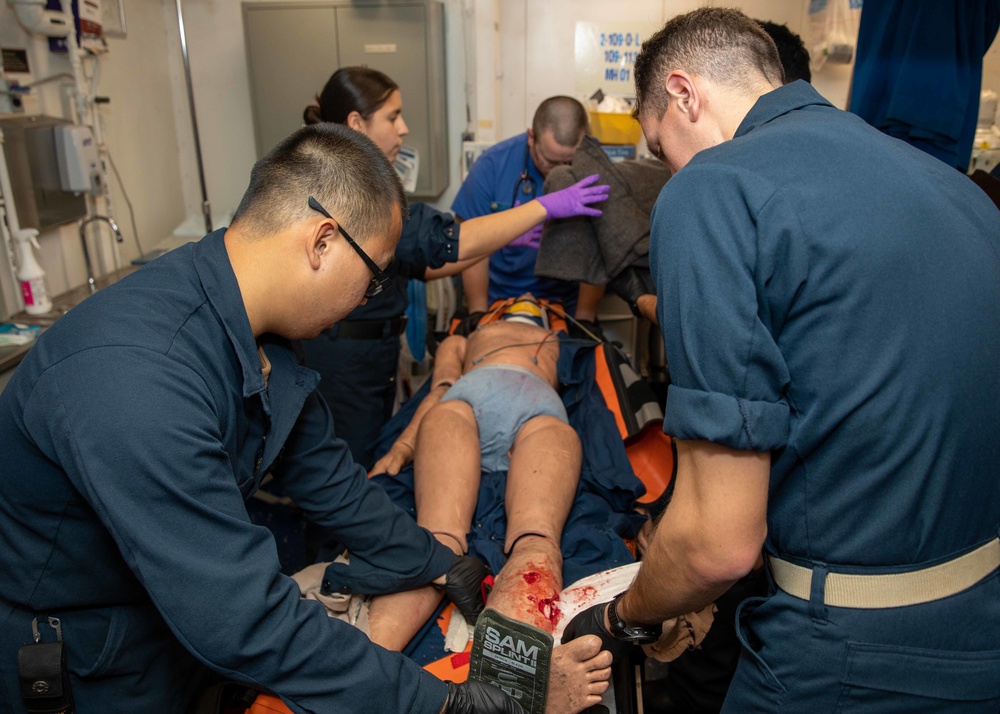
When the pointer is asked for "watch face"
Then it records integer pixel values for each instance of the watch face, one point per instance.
(641, 635)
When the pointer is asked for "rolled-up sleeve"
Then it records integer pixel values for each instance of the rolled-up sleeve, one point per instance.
(728, 376)
(430, 238)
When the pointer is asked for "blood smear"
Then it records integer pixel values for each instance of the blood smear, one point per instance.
(548, 607)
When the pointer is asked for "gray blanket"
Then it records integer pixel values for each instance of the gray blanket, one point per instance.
(595, 250)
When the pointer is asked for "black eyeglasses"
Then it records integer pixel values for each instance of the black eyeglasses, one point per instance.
(381, 280)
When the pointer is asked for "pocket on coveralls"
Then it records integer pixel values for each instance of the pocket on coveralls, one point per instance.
(760, 689)
(886, 678)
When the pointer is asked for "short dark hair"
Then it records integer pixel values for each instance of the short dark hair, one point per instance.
(344, 169)
(565, 117)
(722, 44)
(791, 50)
(350, 89)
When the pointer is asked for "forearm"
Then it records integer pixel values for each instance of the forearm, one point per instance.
(647, 308)
(475, 284)
(408, 437)
(448, 367)
(710, 535)
(485, 234)
(449, 269)
(669, 583)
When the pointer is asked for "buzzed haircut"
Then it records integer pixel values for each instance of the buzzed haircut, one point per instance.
(565, 117)
(791, 50)
(721, 44)
(342, 168)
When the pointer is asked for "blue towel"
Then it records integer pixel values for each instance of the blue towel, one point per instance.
(416, 318)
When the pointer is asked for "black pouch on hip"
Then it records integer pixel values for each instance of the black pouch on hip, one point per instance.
(41, 669)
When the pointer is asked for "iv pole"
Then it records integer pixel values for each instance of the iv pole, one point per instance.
(206, 207)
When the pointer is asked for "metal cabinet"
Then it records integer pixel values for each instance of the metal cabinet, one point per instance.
(294, 47)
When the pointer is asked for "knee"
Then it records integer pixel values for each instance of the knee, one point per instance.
(552, 431)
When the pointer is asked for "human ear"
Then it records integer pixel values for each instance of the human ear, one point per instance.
(681, 91)
(356, 122)
(318, 244)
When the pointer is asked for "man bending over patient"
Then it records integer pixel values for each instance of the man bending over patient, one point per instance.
(493, 406)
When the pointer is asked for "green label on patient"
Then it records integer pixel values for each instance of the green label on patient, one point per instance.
(512, 656)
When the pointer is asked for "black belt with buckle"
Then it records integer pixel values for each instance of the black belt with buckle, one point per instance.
(371, 329)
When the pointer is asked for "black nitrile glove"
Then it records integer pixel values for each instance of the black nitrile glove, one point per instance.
(468, 324)
(630, 284)
(471, 697)
(587, 330)
(464, 586)
(591, 622)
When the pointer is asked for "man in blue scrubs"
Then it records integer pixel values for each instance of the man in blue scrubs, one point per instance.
(508, 174)
(830, 303)
(140, 422)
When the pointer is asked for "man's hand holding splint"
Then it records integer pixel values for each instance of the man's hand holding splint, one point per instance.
(676, 636)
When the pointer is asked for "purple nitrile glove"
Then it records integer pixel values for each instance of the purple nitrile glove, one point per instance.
(575, 200)
(531, 239)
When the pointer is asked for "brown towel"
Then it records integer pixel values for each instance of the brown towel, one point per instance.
(595, 250)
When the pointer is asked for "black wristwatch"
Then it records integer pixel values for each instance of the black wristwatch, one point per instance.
(633, 305)
(636, 634)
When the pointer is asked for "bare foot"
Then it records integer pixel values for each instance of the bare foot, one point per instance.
(578, 676)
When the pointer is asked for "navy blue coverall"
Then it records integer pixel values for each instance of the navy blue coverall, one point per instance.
(358, 358)
(132, 433)
(831, 295)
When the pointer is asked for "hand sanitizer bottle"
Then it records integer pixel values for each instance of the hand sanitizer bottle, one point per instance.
(30, 274)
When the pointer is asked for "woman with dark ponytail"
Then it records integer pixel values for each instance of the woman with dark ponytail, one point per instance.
(358, 357)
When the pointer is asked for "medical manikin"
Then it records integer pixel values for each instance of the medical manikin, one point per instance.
(493, 406)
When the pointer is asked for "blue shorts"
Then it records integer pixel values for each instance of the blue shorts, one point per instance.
(503, 397)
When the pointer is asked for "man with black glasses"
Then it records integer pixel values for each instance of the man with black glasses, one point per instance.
(139, 423)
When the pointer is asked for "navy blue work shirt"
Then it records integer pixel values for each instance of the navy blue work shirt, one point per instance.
(132, 433)
(429, 240)
(832, 295)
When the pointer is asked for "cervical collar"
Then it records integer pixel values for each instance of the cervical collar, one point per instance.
(527, 311)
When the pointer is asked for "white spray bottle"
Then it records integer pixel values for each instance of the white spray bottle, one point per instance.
(30, 274)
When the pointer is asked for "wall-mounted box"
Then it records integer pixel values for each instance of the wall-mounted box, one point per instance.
(33, 164)
(79, 162)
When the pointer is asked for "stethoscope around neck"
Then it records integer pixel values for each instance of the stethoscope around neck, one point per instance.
(525, 184)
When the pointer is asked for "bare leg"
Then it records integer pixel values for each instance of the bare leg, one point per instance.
(446, 461)
(542, 479)
(541, 485)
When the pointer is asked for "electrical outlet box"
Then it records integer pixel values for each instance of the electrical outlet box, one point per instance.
(471, 150)
(13, 96)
